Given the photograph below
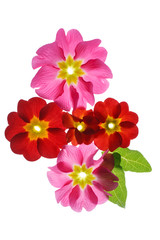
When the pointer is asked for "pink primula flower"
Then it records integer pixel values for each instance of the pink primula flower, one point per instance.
(72, 70)
(82, 181)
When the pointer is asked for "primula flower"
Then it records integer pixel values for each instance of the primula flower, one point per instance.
(117, 124)
(82, 126)
(82, 181)
(72, 70)
(36, 129)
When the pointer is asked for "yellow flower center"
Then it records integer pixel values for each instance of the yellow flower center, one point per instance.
(111, 125)
(81, 126)
(82, 176)
(70, 70)
(37, 128)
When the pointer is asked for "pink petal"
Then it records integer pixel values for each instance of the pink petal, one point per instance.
(99, 53)
(49, 54)
(48, 86)
(57, 178)
(100, 85)
(76, 199)
(62, 194)
(88, 152)
(84, 49)
(71, 155)
(64, 101)
(96, 67)
(73, 37)
(62, 42)
(85, 90)
(100, 193)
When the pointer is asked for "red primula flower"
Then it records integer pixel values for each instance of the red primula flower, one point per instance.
(36, 129)
(82, 126)
(117, 124)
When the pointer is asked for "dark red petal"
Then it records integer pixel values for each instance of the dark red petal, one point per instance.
(78, 136)
(16, 125)
(71, 136)
(130, 117)
(67, 120)
(57, 137)
(30, 108)
(100, 111)
(105, 178)
(64, 167)
(21, 144)
(112, 107)
(47, 148)
(108, 161)
(115, 140)
(91, 195)
(102, 141)
(53, 114)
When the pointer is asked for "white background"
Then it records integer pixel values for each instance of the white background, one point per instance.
(129, 30)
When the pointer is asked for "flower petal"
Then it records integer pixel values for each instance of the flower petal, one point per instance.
(102, 141)
(57, 178)
(115, 141)
(47, 148)
(16, 125)
(48, 54)
(67, 120)
(62, 195)
(84, 49)
(100, 193)
(71, 155)
(73, 37)
(112, 107)
(100, 85)
(85, 90)
(100, 111)
(62, 41)
(53, 114)
(88, 152)
(96, 67)
(64, 101)
(90, 199)
(75, 199)
(48, 86)
(20, 144)
(30, 108)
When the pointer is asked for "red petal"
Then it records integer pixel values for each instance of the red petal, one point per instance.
(124, 109)
(16, 125)
(78, 136)
(47, 148)
(79, 112)
(100, 111)
(52, 113)
(102, 141)
(130, 117)
(57, 136)
(115, 141)
(21, 144)
(30, 108)
(131, 132)
(125, 140)
(112, 107)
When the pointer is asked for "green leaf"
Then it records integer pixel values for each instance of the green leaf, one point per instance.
(119, 195)
(132, 160)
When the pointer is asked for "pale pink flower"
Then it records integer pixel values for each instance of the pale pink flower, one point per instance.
(82, 181)
(72, 70)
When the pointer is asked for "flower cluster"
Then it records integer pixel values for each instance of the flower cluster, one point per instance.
(70, 72)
